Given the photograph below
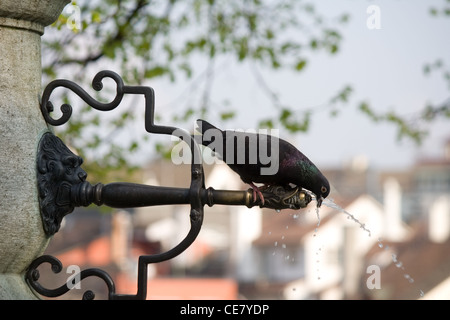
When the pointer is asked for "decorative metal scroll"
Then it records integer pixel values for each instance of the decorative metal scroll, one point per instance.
(62, 186)
(33, 275)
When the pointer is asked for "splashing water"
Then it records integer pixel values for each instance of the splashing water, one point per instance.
(331, 204)
(399, 264)
(318, 220)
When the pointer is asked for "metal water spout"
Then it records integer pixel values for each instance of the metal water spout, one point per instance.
(62, 186)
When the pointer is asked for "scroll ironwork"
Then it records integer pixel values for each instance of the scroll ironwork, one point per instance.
(62, 186)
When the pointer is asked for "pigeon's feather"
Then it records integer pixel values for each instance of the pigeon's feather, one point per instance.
(261, 158)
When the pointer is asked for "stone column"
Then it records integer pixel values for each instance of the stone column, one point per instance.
(22, 238)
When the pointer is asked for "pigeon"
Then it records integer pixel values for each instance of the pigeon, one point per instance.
(263, 158)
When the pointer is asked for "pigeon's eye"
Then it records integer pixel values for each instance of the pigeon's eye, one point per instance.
(323, 189)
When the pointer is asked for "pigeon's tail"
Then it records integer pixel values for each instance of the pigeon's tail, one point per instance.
(208, 137)
(204, 126)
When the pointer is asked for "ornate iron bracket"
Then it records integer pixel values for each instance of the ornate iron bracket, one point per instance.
(62, 186)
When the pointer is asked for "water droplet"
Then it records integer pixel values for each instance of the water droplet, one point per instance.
(278, 210)
(287, 257)
(408, 277)
(283, 246)
(287, 227)
(318, 217)
(270, 232)
(331, 204)
(295, 216)
(421, 293)
(276, 243)
(282, 237)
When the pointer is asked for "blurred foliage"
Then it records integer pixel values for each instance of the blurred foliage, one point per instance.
(414, 126)
(154, 39)
(143, 40)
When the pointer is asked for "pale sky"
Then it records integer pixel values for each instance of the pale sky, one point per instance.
(385, 67)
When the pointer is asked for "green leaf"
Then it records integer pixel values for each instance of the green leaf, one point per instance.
(285, 114)
(227, 115)
(333, 48)
(343, 95)
(133, 146)
(155, 72)
(242, 48)
(268, 123)
(365, 108)
(300, 65)
(96, 17)
(269, 34)
(186, 68)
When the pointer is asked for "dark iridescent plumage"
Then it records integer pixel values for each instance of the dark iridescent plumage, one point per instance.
(293, 166)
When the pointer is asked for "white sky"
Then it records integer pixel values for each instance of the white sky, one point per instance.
(384, 67)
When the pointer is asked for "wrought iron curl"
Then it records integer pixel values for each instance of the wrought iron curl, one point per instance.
(66, 109)
(33, 275)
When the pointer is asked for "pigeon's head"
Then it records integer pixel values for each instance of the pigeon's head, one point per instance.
(321, 189)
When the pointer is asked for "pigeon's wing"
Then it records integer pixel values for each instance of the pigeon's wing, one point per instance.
(212, 137)
(251, 155)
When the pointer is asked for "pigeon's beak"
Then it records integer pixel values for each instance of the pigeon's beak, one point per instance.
(319, 201)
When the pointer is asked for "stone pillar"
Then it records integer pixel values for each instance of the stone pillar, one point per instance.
(22, 237)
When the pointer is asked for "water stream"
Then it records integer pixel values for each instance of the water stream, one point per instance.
(399, 264)
(331, 204)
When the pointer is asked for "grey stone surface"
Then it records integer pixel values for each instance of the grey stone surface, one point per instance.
(22, 238)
